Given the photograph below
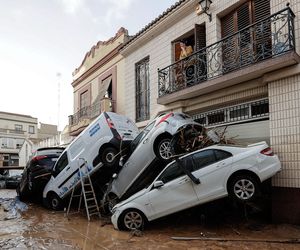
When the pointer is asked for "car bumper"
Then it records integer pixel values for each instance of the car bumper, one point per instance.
(114, 219)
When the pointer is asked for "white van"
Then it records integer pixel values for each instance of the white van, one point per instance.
(98, 145)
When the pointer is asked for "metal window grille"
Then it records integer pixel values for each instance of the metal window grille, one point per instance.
(235, 114)
(142, 90)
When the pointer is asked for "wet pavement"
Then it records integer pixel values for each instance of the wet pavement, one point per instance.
(38, 228)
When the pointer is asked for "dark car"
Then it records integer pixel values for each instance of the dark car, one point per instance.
(38, 172)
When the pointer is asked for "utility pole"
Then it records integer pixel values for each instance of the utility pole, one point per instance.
(58, 75)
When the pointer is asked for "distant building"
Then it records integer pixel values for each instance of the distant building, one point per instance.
(17, 134)
(20, 135)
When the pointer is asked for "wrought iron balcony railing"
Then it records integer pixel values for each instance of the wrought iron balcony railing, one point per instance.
(88, 112)
(266, 39)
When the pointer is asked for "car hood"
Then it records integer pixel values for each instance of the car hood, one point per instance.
(131, 198)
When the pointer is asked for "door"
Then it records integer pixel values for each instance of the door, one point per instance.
(61, 174)
(176, 194)
(211, 167)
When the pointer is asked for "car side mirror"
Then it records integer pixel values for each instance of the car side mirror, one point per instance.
(115, 176)
(158, 184)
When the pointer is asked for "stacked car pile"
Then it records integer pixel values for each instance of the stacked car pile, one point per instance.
(173, 164)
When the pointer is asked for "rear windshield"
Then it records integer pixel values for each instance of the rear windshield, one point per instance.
(49, 162)
(49, 152)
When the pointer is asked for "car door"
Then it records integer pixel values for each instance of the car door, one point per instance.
(211, 167)
(61, 174)
(176, 194)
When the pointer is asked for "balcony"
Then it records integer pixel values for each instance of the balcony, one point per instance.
(250, 53)
(84, 116)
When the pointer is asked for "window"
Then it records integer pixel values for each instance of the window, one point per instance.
(258, 109)
(84, 99)
(172, 172)
(31, 129)
(18, 127)
(250, 43)
(216, 117)
(61, 164)
(4, 142)
(221, 154)
(255, 110)
(142, 90)
(19, 143)
(203, 158)
(238, 112)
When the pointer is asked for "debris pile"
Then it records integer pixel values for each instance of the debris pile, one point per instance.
(194, 137)
(12, 207)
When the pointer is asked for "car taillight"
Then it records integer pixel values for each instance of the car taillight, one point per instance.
(38, 158)
(267, 151)
(164, 118)
(110, 123)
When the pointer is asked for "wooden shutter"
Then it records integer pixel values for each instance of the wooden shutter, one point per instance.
(262, 34)
(261, 9)
(200, 37)
(200, 43)
(228, 25)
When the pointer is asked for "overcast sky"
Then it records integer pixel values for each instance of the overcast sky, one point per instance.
(41, 38)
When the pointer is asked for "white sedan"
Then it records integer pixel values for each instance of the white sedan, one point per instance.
(199, 177)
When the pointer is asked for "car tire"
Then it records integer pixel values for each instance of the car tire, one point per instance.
(108, 202)
(23, 194)
(244, 188)
(54, 202)
(132, 219)
(109, 157)
(163, 149)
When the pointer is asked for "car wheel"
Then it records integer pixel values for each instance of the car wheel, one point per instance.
(22, 193)
(163, 149)
(244, 188)
(54, 201)
(132, 219)
(108, 202)
(109, 157)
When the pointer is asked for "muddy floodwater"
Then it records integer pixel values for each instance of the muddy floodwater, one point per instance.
(38, 228)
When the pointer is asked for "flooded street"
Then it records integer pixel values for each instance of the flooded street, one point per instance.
(38, 228)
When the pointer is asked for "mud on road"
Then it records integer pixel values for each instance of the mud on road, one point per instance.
(38, 228)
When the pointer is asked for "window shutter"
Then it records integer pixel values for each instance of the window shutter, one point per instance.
(261, 9)
(228, 27)
(243, 16)
(200, 37)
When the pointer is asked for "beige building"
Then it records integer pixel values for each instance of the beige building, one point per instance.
(17, 133)
(98, 82)
(243, 74)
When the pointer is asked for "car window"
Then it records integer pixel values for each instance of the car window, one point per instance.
(172, 172)
(140, 136)
(49, 152)
(221, 154)
(203, 158)
(61, 164)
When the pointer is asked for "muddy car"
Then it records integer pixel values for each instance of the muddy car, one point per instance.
(38, 171)
(98, 145)
(197, 178)
(149, 154)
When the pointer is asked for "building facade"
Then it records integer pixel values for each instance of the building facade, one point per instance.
(17, 134)
(241, 73)
(98, 83)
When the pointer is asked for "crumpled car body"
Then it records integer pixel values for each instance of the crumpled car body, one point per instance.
(149, 154)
